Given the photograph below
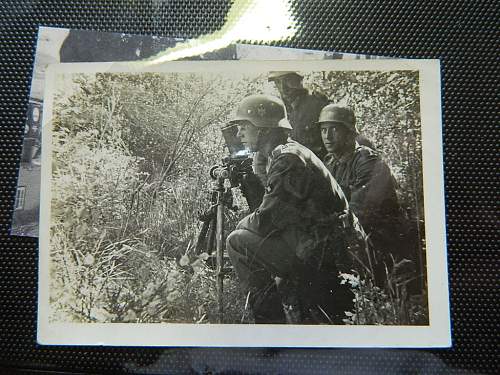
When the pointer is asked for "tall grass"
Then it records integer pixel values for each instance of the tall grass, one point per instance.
(122, 250)
(388, 302)
(122, 245)
(117, 238)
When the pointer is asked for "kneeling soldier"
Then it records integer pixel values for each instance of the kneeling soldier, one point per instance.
(370, 188)
(285, 251)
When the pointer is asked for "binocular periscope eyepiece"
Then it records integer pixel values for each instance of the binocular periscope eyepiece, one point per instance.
(233, 142)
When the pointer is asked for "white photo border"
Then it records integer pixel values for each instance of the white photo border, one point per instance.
(436, 334)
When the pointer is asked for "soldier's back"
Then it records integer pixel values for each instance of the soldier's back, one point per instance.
(308, 180)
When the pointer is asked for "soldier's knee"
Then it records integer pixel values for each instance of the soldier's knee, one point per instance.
(235, 240)
(243, 223)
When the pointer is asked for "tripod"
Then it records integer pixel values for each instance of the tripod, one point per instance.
(212, 232)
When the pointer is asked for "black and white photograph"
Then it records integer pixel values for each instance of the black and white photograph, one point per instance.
(69, 45)
(243, 203)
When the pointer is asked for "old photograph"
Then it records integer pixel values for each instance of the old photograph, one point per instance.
(68, 45)
(233, 203)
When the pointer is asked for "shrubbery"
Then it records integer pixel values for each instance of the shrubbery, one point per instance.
(130, 175)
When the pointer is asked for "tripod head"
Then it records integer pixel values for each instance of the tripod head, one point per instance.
(233, 169)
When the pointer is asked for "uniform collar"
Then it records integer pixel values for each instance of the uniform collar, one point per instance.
(331, 158)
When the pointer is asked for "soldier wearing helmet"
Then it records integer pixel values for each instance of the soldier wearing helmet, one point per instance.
(302, 107)
(368, 184)
(284, 252)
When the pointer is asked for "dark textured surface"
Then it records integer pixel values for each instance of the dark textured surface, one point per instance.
(461, 33)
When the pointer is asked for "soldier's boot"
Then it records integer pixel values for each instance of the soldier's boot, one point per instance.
(289, 293)
(266, 305)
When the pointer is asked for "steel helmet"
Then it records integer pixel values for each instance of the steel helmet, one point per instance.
(277, 75)
(263, 111)
(335, 113)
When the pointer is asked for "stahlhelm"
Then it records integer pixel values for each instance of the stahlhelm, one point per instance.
(273, 76)
(337, 114)
(263, 111)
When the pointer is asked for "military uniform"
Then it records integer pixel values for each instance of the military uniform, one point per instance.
(370, 189)
(302, 108)
(296, 235)
(303, 113)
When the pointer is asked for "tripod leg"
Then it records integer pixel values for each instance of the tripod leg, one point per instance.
(220, 259)
(202, 241)
(211, 235)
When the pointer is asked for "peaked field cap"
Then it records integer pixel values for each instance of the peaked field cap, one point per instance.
(263, 111)
(338, 114)
(276, 75)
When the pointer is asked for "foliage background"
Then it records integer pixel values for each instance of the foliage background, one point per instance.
(130, 175)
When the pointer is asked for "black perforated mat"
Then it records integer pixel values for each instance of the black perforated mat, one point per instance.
(461, 33)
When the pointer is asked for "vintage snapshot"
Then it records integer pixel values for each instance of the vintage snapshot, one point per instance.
(243, 203)
(68, 45)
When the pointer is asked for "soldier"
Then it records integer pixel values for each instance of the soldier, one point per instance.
(302, 112)
(368, 184)
(284, 252)
(302, 107)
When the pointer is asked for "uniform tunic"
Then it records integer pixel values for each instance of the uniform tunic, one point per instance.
(295, 234)
(303, 113)
(370, 189)
(368, 184)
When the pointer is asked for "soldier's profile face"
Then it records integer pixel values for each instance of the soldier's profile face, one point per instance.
(248, 134)
(335, 136)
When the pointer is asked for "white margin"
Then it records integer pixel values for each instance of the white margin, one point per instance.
(436, 334)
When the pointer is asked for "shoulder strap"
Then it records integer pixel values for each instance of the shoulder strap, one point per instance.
(290, 148)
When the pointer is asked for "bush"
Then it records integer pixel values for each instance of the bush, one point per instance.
(388, 305)
(130, 175)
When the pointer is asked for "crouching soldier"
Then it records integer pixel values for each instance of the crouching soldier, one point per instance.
(370, 188)
(285, 252)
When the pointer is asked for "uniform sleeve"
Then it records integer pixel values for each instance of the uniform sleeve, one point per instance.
(288, 183)
(373, 186)
(314, 140)
(252, 189)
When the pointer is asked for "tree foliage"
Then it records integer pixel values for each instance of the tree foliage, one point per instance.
(131, 156)
(387, 108)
